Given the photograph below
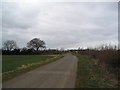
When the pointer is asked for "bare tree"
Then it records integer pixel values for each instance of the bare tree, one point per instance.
(36, 43)
(9, 45)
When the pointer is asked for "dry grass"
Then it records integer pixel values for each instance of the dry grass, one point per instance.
(27, 67)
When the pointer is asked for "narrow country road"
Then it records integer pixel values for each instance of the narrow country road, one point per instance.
(58, 74)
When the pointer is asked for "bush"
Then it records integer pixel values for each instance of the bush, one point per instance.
(107, 56)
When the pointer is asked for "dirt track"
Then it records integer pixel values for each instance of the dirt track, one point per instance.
(58, 74)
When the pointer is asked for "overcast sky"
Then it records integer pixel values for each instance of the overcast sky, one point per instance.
(61, 24)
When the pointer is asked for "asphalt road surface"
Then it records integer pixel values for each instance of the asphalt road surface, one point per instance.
(58, 74)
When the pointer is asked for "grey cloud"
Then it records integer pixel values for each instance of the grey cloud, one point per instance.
(61, 24)
(15, 17)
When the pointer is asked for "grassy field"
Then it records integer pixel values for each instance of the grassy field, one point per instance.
(12, 62)
(89, 75)
(13, 65)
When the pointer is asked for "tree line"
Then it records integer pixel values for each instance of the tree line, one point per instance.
(34, 46)
(107, 57)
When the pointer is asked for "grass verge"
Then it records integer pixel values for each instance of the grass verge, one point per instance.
(89, 75)
(27, 67)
